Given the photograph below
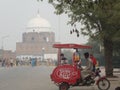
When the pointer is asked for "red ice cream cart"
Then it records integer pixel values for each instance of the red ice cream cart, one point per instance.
(68, 75)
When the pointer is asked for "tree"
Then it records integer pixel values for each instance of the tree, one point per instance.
(116, 48)
(95, 44)
(100, 18)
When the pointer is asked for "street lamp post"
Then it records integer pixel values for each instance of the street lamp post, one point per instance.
(43, 50)
(2, 46)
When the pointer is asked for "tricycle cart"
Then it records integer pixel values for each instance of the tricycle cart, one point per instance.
(67, 75)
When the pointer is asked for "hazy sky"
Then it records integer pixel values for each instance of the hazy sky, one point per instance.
(15, 14)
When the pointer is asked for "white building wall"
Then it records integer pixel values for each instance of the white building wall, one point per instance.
(50, 56)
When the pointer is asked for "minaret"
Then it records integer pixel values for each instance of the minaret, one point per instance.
(38, 12)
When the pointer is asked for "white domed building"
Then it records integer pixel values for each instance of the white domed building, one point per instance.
(37, 41)
(38, 24)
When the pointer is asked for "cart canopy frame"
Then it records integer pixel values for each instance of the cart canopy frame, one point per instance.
(78, 46)
(69, 46)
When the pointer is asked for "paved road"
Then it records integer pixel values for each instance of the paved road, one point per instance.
(33, 78)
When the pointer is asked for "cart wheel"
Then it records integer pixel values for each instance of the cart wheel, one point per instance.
(64, 86)
(104, 84)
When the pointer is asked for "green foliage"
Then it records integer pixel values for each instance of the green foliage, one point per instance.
(95, 43)
(101, 18)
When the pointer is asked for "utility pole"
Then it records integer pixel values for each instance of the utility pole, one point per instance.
(2, 47)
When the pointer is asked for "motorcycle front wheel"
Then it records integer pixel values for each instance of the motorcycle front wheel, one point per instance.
(104, 84)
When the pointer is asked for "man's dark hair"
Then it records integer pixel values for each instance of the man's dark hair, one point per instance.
(86, 54)
(117, 88)
(61, 54)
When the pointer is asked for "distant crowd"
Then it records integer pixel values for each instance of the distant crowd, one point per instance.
(7, 62)
(31, 62)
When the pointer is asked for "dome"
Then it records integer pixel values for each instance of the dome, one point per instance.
(38, 24)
